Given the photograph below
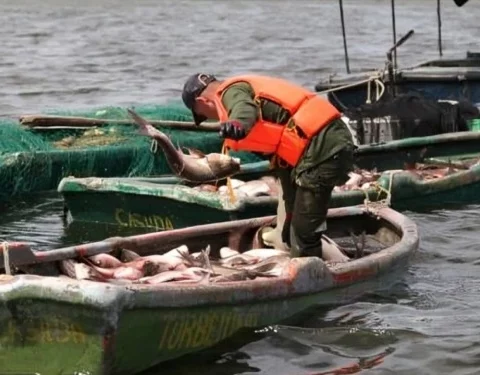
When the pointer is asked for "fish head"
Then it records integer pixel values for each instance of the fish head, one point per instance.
(223, 165)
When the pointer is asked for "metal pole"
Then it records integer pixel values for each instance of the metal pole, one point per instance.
(439, 16)
(344, 36)
(394, 35)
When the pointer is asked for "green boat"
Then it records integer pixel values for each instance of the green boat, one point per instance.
(166, 203)
(37, 151)
(53, 324)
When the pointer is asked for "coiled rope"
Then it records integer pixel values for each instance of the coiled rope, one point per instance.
(375, 206)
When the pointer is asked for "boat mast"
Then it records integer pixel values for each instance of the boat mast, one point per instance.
(394, 36)
(439, 17)
(344, 36)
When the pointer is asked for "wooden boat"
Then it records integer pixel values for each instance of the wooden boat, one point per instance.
(166, 203)
(440, 79)
(54, 324)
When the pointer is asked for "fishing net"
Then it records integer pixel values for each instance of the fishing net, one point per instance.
(36, 159)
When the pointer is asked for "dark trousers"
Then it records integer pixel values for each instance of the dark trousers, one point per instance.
(308, 220)
(306, 202)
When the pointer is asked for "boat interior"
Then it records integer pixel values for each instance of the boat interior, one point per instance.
(358, 234)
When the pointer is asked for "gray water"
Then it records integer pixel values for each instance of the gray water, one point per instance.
(72, 55)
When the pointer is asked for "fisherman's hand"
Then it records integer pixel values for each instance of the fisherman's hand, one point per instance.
(232, 129)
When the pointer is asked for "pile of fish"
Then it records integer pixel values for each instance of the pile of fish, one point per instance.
(359, 179)
(363, 179)
(431, 172)
(177, 265)
(265, 186)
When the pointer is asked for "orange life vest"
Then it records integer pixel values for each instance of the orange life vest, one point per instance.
(309, 114)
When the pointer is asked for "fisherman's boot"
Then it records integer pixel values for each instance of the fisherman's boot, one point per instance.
(273, 237)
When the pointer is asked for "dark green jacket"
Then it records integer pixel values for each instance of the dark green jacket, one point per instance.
(238, 100)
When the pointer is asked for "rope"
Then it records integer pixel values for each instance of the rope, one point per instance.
(374, 207)
(231, 192)
(6, 258)
(358, 83)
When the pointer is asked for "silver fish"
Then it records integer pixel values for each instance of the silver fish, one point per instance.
(74, 269)
(219, 270)
(237, 276)
(239, 259)
(354, 180)
(265, 253)
(273, 184)
(191, 274)
(177, 251)
(195, 167)
(254, 188)
(206, 187)
(165, 263)
(226, 252)
(80, 271)
(264, 270)
(128, 255)
(105, 261)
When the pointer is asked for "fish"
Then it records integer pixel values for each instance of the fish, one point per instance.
(273, 184)
(354, 181)
(265, 270)
(331, 251)
(270, 263)
(206, 187)
(191, 274)
(165, 263)
(130, 271)
(238, 259)
(265, 253)
(254, 188)
(128, 255)
(176, 252)
(226, 252)
(237, 276)
(75, 270)
(219, 270)
(105, 261)
(81, 271)
(195, 166)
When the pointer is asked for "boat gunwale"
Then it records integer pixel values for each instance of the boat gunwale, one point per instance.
(213, 200)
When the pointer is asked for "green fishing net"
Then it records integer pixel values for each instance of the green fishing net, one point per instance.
(33, 160)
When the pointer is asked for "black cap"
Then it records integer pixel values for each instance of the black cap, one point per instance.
(192, 89)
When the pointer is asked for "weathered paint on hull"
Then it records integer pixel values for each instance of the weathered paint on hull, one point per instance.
(394, 154)
(65, 326)
(38, 336)
(168, 335)
(58, 339)
(146, 208)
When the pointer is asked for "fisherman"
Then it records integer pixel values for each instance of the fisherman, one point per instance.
(303, 135)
